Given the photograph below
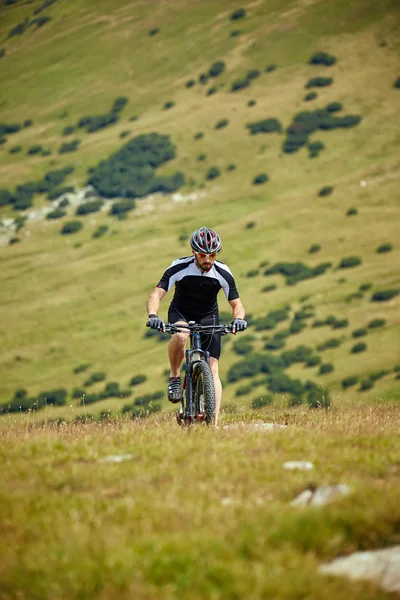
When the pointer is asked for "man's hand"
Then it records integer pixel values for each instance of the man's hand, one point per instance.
(238, 325)
(155, 322)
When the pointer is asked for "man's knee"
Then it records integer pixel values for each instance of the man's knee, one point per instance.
(214, 367)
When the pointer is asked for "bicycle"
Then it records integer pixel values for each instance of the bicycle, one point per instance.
(198, 404)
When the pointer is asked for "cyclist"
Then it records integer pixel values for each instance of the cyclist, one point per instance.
(198, 279)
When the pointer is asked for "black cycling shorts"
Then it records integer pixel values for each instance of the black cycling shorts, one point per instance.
(211, 343)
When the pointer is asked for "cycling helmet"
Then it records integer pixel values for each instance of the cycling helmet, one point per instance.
(205, 240)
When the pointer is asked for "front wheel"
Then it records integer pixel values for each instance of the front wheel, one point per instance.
(203, 392)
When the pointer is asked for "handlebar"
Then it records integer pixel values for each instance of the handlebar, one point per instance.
(193, 327)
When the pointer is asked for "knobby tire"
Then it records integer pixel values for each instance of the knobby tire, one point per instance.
(203, 385)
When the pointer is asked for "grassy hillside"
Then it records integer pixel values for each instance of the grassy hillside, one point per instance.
(72, 300)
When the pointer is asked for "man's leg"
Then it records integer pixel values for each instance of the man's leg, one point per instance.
(217, 386)
(176, 351)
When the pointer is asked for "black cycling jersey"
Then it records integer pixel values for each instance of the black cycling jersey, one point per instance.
(196, 292)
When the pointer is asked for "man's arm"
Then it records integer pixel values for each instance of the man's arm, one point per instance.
(238, 311)
(153, 303)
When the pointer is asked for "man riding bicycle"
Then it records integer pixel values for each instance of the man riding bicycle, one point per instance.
(198, 279)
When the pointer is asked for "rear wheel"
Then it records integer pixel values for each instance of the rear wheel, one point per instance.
(203, 392)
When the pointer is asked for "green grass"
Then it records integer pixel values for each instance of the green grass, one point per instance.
(66, 300)
(194, 514)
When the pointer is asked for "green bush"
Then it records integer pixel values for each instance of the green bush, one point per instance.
(334, 107)
(275, 344)
(130, 172)
(68, 130)
(326, 368)
(364, 287)
(81, 368)
(153, 31)
(310, 96)
(235, 32)
(271, 320)
(119, 104)
(300, 354)
(313, 361)
(213, 172)
(253, 74)
(260, 178)
(319, 82)
(397, 83)
(259, 402)
(384, 295)
(35, 149)
(242, 346)
(240, 84)
(376, 323)
(350, 262)
(322, 58)
(78, 392)
(251, 103)
(89, 207)
(57, 192)
(330, 343)
(360, 347)
(221, 123)
(5, 197)
(168, 105)
(252, 273)
(56, 397)
(203, 78)
(270, 68)
(138, 379)
(15, 149)
(366, 384)
(94, 123)
(199, 135)
(269, 288)
(216, 68)
(325, 191)
(351, 212)
(100, 231)
(231, 167)
(384, 248)
(314, 248)
(349, 381)
(378, 374)
(2, 52)
(359, 332)
(95, 378)
(295, 272)
(122, 207)
(340, 323)
(212, 90)
(240, 13)
(190, 83)
(265, 126)
(57, 213)
(71, 227)
(315, 148)
(124, 134)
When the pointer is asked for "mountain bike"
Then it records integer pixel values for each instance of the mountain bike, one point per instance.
(198, 404)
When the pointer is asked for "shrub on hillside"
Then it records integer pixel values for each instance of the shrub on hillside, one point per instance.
(310, 96)
(384, 295)
(295, 272)
(242, 346)
(330, 343)
(314, 248)
(325, 191)
(203, 78)
(221, 123)
(240, 13)
(57, 192)
(190, 83)
(359, 332)
(360, 347)
(5, 197)
(334, 107)
(100, 231)
(384, 248)
(15, 149)
(261, 401)
(251, 103)
(315, 148)
(2, 52)
(271, 320)
(69, 146)
(35, 149)
(231, 167)
(20, 402)
(199, 135)
(56, 397)
(270, 68)
(366, 384)
(81, 368)
(313, 361)
(213, 172)
(322, 58)
(325, 368)
(89, 207)
(269, 288)
(94, 123)
(319, 82)
(376, 323)
(95, 377)
(153, 31)
(216, 68)
(71, 227)
(68, 130)
(122, 207)
(212, 90)
(351, 212)
(350, 262)
(130, 172)
(168, 105)
(138, 379)
(260, 178)
(57, 213)
(240, 84)
(265, 126)
(349, 381)
(397, 83)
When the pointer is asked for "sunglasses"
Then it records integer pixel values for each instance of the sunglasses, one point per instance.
(202, 255)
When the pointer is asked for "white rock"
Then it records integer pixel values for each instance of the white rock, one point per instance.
(380, 566)
(363, 183)
(321, 495)
(298, 465)
(117, 458)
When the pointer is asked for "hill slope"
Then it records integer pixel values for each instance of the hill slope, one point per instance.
(73, 300)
